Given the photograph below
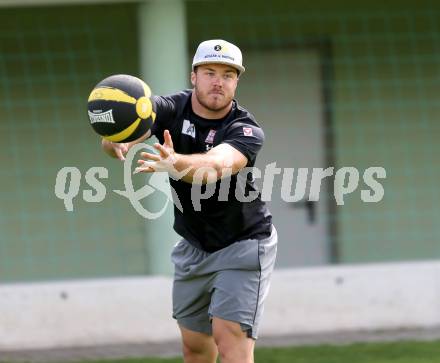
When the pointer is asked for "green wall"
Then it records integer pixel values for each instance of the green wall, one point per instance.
(385, 62)
(385, 111)
(50, 59)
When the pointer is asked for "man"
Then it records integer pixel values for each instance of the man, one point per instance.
(224, 261)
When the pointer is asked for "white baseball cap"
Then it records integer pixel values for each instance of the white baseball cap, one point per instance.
(218, 51)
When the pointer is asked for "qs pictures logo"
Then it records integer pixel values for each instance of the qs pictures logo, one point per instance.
(68, 180)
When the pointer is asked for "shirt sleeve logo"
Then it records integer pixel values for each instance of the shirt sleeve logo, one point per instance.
(188, 129)
(247, 131)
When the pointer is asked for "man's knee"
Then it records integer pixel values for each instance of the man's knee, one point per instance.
(233, 344)
(198, 347)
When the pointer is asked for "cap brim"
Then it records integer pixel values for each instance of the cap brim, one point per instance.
(241, 69)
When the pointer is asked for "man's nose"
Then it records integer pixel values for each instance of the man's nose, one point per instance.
(217, 81)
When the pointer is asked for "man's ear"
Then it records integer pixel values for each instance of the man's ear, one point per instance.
(193, 78)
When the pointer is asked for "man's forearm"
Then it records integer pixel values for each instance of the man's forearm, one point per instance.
(199, 168)
(220, 162)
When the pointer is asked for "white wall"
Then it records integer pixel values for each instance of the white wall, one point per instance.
(301, 301)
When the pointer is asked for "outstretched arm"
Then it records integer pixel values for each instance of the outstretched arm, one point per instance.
(221, 161)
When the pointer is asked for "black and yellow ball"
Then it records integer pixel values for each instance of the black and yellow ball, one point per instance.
(120, 109)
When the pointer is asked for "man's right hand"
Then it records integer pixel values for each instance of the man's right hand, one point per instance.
(114, 149)
(119, 150)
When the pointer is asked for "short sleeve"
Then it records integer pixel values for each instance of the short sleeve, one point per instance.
(165, 109)
(246, 138)
(168, 109)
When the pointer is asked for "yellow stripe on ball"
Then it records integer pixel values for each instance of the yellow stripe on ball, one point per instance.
(147, 90)
(110, 94)
(124, 133)
(144, 107)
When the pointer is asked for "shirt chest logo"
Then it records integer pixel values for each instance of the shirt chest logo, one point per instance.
(188, 129)
(210, 138)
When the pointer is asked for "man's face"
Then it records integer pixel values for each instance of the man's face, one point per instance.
(214, 85)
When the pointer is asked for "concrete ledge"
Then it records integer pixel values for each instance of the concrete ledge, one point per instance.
(301, 302)
(356, 298)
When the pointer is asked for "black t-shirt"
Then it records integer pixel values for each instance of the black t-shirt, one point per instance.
(218, 223)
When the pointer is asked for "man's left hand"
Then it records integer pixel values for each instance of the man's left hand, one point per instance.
(162, 162)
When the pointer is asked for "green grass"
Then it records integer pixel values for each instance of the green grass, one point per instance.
(399, 352)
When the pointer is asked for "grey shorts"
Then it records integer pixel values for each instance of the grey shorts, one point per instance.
(230, 284)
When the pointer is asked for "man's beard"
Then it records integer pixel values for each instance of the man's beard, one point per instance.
(217, 107)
